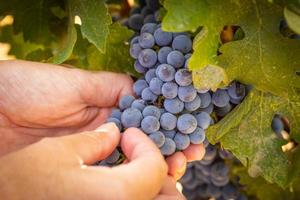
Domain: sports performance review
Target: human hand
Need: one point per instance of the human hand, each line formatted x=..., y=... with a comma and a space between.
x=59, y=168
x=43, y=100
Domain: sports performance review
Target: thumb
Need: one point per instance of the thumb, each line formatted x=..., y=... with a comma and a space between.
x=94, y=145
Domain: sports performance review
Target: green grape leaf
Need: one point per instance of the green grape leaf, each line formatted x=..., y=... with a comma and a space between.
x=95, y=21
x=292, y=16
x=116, y=58
x=270, y=191
x=18, y=47
x=68, y=40
x=247, y=133
x=39, y=55
x=32, y=17
x=264, y=58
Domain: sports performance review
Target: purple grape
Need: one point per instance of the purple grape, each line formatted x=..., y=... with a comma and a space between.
x=147, y=58
x=187, y=93
x=186, y=123
x=139, y=68
x=169, y=90
x=205, y=99
x=136, y=21
x=158, y=138
x=148, y=95
x=176, y=59
x=155, y=85
x=168, y=148
x=150, y=74
x=150, y=124
x=182, y=43
x=168, y=121
x=113, y=157
x=149, y=28
x=151, y=111
x=169, y=134
x=198, y=136
x=149, y=19
x=183, y=77
x=163, y=54
x=116, y=113
x=125, y=102
x=138, y=104
x=220, y=98
x=139, y=86
x=146, y=40
x=203, y=120
x=193, y=105
x=131, y=117
x=165, y=72
x=182, y=141
x=173, y=106
x=162, y=38
x=135, y=50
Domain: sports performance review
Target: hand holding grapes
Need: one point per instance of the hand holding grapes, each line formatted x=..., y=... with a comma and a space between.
x=60, y=168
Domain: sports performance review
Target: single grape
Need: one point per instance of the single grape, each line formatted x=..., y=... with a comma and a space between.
x=136, y=21
x=219, y=170
x=162, y=38
x=182, y=43
x=173, y=106
x=176, y=59
x=168, y=148
x=277, y=125
x=113, y=157
x=193, y=105
x=138, y=104
x=131, y=117
x=187, y=177
x=203, y=120
x=150, y=74
x=151, y=111
x=236, y=91
x=198, y=136
x=148, y=95
x=186, y=123
x=153, y=4
x=116, y=121
x=147, y=58
x=165, y=72
x=163, y=54
x=205, y=99
x=158, y=138
x=221, y=182
x=187, y=93
x=183, y=77
x=220, y=98
x=139, y=86
x=139, y=68
x=126, y=101
x=150, y=19
x=182, y=141
x=169, y=134
x=146, y=11
x=168, y=121
x=169, y=90
x=188, y=55
x=134, y=10
x=229, y=191
x=146, y=40
x=155, y=85
x=149, y=28
x=222, y=111
x=209, y=109
x=134, y=40
x=116, y=113
x=213, y=191
x=135, y=50
x=150, y=124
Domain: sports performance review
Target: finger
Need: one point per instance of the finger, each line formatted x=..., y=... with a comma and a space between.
x=169, y=191
x=177, y=165
x=104, y=89
x=94, y=145
x=146, y=170
x=194, y=152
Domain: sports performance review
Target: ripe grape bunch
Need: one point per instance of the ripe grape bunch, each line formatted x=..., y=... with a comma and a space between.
x=167, y=107
x=209, y=178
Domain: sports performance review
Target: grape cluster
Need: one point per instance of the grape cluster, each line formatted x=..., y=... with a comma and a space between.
x=166, y=105
x=147, y=12
x=209, y=178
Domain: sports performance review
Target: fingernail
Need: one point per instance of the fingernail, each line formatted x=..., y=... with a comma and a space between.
x=107, y=127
